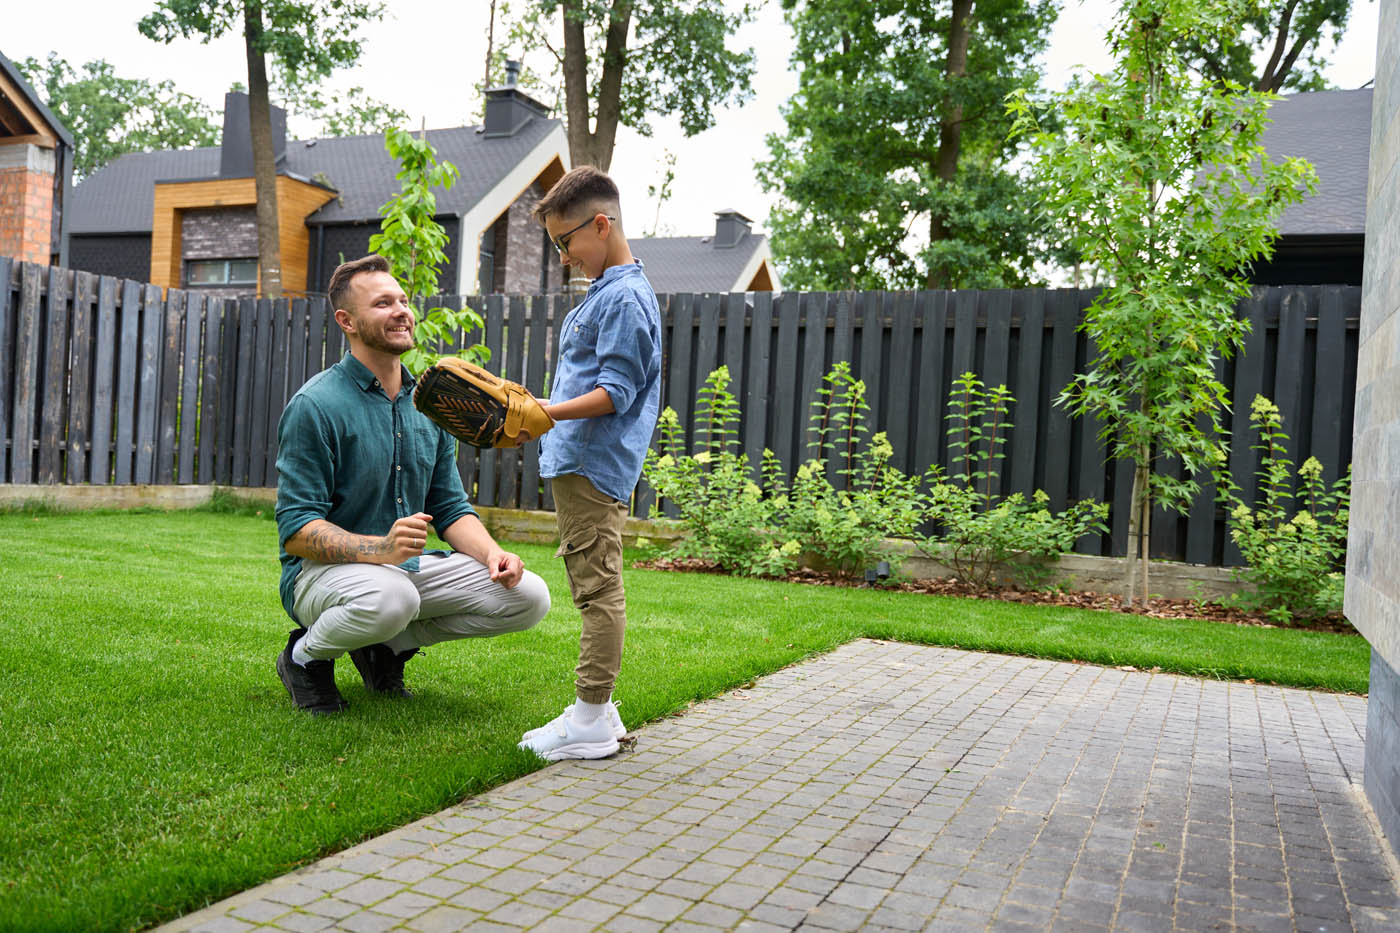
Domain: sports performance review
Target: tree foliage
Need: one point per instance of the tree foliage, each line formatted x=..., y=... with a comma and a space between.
x=307, y=39
x=1156, y=175
x=1276, y=47
x=893, y=171
x=624, y=61
x=109, y=115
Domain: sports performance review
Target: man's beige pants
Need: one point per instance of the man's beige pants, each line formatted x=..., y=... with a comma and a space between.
x=590, y=541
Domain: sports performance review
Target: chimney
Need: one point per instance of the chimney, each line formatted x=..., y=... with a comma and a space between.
x=730, y=227
x=508, y=108
x=236, y=149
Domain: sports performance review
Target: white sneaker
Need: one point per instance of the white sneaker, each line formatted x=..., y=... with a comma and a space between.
x=566, y=737
x=614, y=718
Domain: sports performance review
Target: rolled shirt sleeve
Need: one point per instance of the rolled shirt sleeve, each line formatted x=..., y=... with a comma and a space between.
x=305, y=467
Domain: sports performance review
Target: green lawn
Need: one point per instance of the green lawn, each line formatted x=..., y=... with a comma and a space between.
x=151, y=761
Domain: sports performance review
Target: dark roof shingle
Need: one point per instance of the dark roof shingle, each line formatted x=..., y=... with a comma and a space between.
x=692, y=264
x=118, y=198
x=1332, y=130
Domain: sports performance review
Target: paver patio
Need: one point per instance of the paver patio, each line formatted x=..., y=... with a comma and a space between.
x=901, y=787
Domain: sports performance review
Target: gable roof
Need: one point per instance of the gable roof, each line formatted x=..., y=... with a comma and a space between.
x=693, y=264
x=1332, y=130
x=118, y=197
x=34, y=103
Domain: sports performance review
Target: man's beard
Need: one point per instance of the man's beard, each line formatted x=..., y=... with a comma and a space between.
x=382, y=341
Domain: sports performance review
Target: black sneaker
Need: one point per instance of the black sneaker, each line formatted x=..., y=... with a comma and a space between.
x=382, y=669
x=312, y=687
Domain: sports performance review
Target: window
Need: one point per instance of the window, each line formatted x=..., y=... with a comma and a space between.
x=221, y=272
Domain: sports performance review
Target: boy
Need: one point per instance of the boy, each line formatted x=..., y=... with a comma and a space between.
x=605, y=396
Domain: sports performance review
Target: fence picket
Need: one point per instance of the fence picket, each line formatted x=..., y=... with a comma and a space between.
x=1064, y=317
x=487, y=475
x=1329, y=384
x=148, y=385
x=189, y=387
x=8, y=308
x=245, y=354
x=104, y=381
x=128, y=377
x=899, y=387
x=169, y=391
x=54, y=396
x=812, y=350
x=755, y=394
x=787, y=418
x=80, y=378
x=933, y=382
x=209, y=387
x=28, y=339
x=1027, y=390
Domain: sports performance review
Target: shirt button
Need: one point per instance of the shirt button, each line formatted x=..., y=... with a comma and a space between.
x=399, y=501
x=398, y=468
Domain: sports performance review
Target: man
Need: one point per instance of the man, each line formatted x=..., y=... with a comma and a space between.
x=361, y=474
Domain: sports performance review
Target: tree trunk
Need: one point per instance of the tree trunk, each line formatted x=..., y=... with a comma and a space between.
x=1136, y=530
x=950, y=129
x=594, y=146
x=264, y=164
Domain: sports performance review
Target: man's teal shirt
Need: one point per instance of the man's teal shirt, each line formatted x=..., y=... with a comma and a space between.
x=349, y=455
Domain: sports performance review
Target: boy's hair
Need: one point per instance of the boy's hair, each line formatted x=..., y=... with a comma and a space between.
x=339, y=288
x=584, y=187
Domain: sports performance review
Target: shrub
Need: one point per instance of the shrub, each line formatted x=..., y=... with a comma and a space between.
x=847, y=529
x=727, y=517
x=979, y=535
x=1295, y=567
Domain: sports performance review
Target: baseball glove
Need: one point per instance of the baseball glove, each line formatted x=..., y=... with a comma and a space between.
x=476, y=407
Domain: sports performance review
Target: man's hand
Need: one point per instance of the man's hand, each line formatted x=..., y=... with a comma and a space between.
x=506, y=568
x=407, y=538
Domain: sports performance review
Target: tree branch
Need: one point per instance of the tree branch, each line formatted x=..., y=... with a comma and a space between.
x=1266, y=78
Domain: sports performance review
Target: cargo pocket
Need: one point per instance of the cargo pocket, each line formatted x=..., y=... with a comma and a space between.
x=590, y=562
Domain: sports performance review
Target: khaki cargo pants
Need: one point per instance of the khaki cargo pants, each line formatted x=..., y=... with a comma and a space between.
x=590, y=541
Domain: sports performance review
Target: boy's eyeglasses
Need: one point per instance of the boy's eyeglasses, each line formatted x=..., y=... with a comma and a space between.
x=561, y=243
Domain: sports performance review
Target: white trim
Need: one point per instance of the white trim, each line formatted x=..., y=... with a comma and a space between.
x=760, y=256
x=479, y=218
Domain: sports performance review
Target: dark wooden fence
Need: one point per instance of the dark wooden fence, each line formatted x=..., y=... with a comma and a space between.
x=106, y=381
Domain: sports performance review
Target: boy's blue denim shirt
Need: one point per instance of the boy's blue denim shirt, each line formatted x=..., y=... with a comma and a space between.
x=349, y=455
x=612, y=339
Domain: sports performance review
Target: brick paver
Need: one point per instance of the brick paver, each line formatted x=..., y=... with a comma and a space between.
x=901, y=787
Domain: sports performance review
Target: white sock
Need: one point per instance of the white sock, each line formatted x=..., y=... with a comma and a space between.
x=587, y=712
x=299, y=654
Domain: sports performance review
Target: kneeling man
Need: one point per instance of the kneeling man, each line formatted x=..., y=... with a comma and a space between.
x=361, y=474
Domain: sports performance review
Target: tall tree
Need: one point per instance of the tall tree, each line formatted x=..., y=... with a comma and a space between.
x=1275, y=46
x=624, y=60
x=307, y=38
x=894, y=169
x=1156, y=176
x=110, y=115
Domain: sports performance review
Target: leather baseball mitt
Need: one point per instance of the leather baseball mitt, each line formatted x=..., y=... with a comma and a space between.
x=476, y=407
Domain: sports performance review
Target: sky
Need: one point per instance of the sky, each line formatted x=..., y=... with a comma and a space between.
x=427, y=55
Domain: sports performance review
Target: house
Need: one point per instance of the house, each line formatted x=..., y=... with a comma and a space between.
x=734, y=259
x=1323, y=237
x=36, y=174
x=186, y=218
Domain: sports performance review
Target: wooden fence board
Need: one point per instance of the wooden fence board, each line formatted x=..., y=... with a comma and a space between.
x=297, y=346
x=1092, y=457
x=735, y=329
x=54, y=395
x=964, y=312
x=104, y=381
x=212, y=336
x=1294, y=310
x=813, y=329
x=148, y=384
x=244, y=354
x=128, y=378
x=508, y=466
x=1330, y=387
x=189, y=388
x=9, y=308
x=280, y=343
x=899, y=387
x=1249, y=382
x=996, y=362
x=933, y=381
x=80, y=378
x=1026, y=413
x=872, y=334
x=172, y=334
x=706, y=337
x=787, y=417
x=227, y=398
x=1064, y=318
x=28, y=340
x=262, y=389
x=755, y=395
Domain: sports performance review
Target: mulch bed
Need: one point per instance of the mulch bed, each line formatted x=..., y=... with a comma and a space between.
x=1156, y=608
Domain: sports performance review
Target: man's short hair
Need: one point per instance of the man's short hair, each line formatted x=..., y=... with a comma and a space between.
x=339, y=288
x=583, y=188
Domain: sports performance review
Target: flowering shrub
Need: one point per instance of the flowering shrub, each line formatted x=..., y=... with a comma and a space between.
x=1294, y=561
x=977, y=534
x=728, y=517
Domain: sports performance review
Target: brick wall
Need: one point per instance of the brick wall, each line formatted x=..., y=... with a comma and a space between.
x=26, y=202
x=520, y=250
x=219, y=233
x=1373, y=550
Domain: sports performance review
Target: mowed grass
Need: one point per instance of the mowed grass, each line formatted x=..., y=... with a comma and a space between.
x=151, y=763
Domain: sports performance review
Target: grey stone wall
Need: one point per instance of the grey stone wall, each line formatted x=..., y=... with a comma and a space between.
x=520, y=247
x=219, y=233
x=1373, y=547
x=125, y=255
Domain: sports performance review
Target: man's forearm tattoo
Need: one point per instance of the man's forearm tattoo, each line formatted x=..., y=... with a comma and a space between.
x=331, y=545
